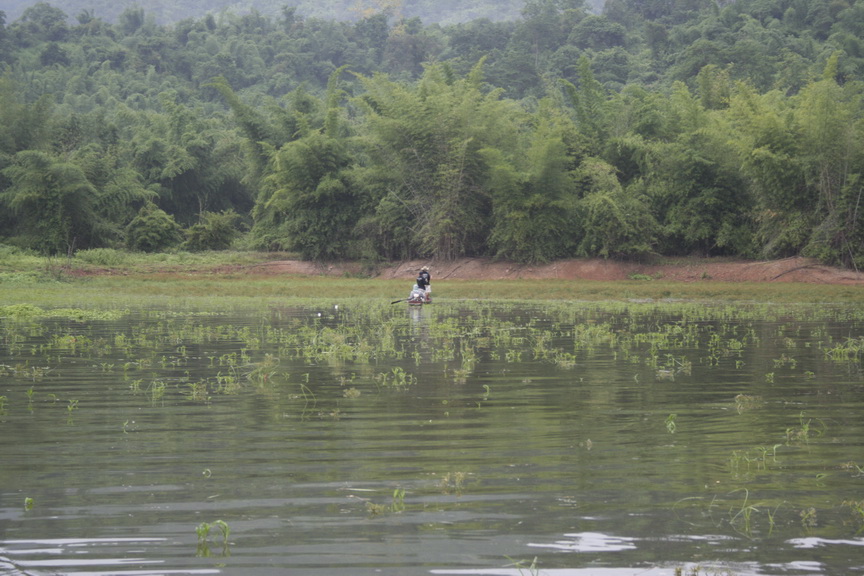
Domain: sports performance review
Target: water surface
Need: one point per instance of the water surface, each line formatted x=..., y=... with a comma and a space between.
x=463, y=438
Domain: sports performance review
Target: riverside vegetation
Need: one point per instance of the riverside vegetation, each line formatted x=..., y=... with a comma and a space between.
x=92, y=277
x=671, y=128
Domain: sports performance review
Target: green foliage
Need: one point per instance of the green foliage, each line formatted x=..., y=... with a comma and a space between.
x=54, y=202
x=215, y=231
x=307, y=204
x=535, y=210
x=103, y=257
x=152, y=230
x=616, y=224
x=679, y=127
x=429, y=141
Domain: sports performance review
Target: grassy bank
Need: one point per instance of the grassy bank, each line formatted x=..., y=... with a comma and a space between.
x=113, y=278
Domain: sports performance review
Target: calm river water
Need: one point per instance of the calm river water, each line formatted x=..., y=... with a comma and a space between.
x=461, y=438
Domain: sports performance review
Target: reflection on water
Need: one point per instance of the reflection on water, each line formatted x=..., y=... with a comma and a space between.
x=86, y=556
x=591, y=542
x=474, y=438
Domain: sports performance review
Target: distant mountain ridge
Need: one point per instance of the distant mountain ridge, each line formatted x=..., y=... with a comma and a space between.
x=167, y=11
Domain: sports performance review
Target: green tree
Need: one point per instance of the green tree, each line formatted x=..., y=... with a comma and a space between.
x=54, y=202
x=534, y=194
x=831, y=137
x=428, y=138
x=41, y=22
x=307, y=201
x=616, y=224
x=766, y=140
x=194, y=163
x=589, y=105
x=152, y=230
x=310, y=208
x=23, y=125
x=214, y=231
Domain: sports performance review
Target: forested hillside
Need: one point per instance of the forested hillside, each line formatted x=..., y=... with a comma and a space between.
x=656, y=127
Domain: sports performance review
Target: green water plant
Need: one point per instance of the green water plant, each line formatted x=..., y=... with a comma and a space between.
x=809, y=518
x=851, y=349
x=521, y=565
x=699, y=570
x=857, y=509
x=263, y=372
x=453, y=482
x=203, y=532
x=398, y=503
x=859, y=471
x=375, y=509
x=351, y=393
x=805, y=430
x=741, y=518
x=747, y=402
x=198, y=391
x=398, y=379
x=156, y=391
x=671, y=426
x=307, y=394
x=744, y=460
x=70, y=409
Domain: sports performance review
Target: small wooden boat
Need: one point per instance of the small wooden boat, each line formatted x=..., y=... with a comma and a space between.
x=418, y=297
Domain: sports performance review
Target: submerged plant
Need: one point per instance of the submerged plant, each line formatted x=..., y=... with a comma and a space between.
x=805, y=430
x=742, y=518
x=743, y=460
x=747, y=402
x=70, y=408
x=671, y=426
x=264, y=370
x=857, y=509
x=808, y=517
x=398, y=504
x=375, y=509
x=699, y=570
x=351, y=393
x=453, y=482
x=532, y=567
x=203, y=532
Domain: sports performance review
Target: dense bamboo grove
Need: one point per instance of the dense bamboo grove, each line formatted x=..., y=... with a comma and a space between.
x=686, y=127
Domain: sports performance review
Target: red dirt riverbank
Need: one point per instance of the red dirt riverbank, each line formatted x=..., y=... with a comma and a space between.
x=796, y=269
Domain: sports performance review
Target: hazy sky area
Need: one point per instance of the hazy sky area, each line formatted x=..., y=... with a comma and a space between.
x=167, y=11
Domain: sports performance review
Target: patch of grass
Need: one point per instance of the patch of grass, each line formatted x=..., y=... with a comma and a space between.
x=183, y=278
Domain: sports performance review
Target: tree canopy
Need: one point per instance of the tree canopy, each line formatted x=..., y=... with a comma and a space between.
x=674, y=128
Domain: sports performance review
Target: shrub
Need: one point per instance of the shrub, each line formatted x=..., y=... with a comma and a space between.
x=152, y=230
x=214, y=231
x=102, y=257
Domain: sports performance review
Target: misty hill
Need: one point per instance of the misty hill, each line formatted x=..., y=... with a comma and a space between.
x=168, y=11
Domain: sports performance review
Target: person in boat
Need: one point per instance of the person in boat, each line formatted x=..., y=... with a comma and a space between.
x=421, y=282
x=423, y=285
x=417, y=295
x=424, y=273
